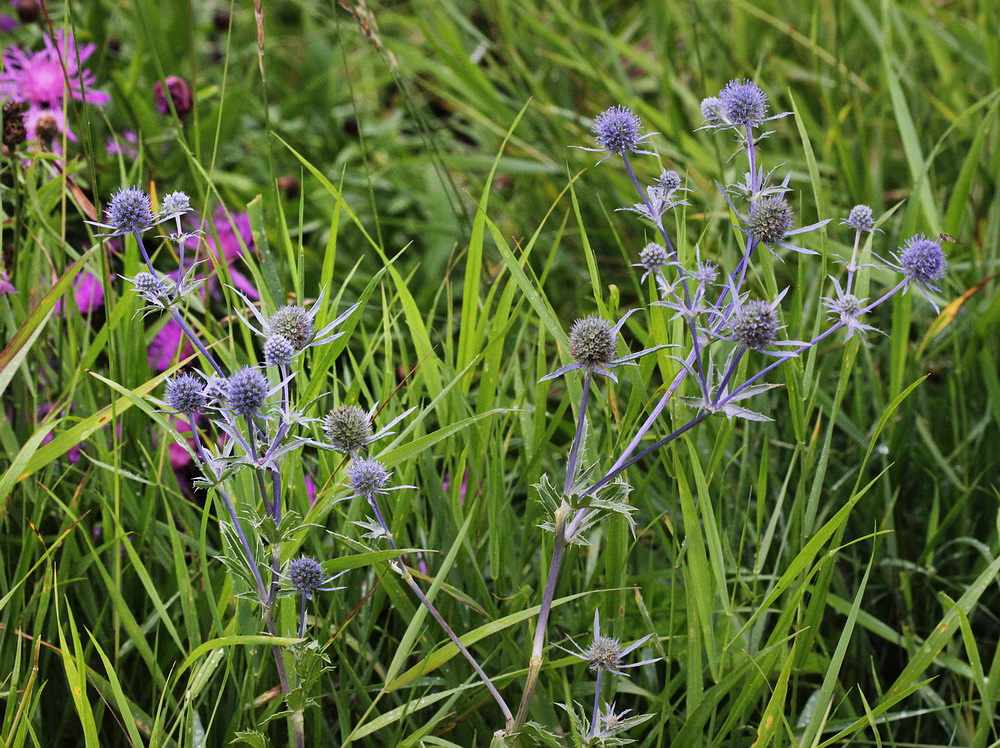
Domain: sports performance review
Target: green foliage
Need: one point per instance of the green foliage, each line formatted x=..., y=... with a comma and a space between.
x=828, y=577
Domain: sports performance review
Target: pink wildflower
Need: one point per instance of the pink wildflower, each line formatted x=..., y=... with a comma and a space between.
x=6, y=286
x=40, y=80
x=163, y=351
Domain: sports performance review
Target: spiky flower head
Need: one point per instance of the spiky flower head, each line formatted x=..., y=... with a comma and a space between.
x=743, y=103
x=294, y=323
x=176, y=203
x=860, y=218
x=348, y=428
x=922, y=260
x=755, y=325
x=770, y=219
x=592, y=342
x=129, y=210
x=246, y=391
x=669, y=180
x=278, y=350
x=185, y=393
x=367, y=477
x=653, y=256
x=711, y=110
x=705, y=272
x=604, y=653
x=617, y=130
x=306, y=575
x=149, y=286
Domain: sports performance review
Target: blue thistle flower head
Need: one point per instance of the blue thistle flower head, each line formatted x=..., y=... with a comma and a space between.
x=306, y=575
x=278, y=350
x=618, y=131
x=150, y=287
x=176, y=204
x=861, y=218
x=185, y=393
x=922, y=261
x=294, y=323
x=246, y=391
x=755, y=325
x=653, y=256
x=129, y=211
x=743, y=103
x=367, y=478
x=348, y=429
x=669, y=180
x=770, y=219
x=711, y=110
x=592, y=342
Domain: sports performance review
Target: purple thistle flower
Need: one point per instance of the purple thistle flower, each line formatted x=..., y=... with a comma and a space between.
x=605, y=653
x=770, y=219
x=847, y=308
x=129, y=211
x=185, y=393
x=593, y=347
x=367, y=478
x=755, y=325
x=38, y=79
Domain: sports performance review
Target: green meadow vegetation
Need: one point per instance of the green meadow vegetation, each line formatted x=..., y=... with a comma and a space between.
x=827, y=575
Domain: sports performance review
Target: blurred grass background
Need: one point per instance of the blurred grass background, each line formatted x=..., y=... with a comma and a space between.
x=107, y=575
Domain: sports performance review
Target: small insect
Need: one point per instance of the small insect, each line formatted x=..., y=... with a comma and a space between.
x=943, y=237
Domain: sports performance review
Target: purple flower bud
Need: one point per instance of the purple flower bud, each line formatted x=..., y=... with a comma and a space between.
x=770, y=219
x=278, y=351
x=185, y=393
x=653, y=256
x=180, y=94
x=347, y=428
x=246, y=391
x=294, y=323
x=306, y=575
x=861, y=218
x=367, y=477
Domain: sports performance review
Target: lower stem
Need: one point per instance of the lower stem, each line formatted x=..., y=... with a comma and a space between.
x=597, y=703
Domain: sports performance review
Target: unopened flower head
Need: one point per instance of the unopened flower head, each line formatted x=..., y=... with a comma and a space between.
x=180, y=94
x=860, y=218
x=711, y=110
x=770, y=219
x=129, y=211
x=185, y=393
x=176, y=204
x=246, y=391
x=604, y=653
x=653, y=256
x=294, y=323
x=618, y=130
x=149, y=286
x=278, y=350
x=347, y=428
x=755, y=325
x=922, y=260
x=592, y=342
x=743, y=103
x=367, y=478
x=669, y=180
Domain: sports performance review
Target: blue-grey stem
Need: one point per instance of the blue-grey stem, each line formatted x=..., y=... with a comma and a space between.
x=728, y=373
x=852, y=267
x=597, y=703
x=574, y=452
x=302, y=617
x=211, y=474
x=658, y=220
x=178, y=318
x=425, y=601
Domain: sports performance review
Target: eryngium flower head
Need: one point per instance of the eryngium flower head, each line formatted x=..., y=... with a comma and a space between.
x=860, y=218
x=743, y=103
x=653, y=256
x=176, y=203
x=922, y=260
x=149, y=286
x=711, y=110
x=669, y=180
x=592, y=342
x=604, y=653
x=278, y=350
x=755, y=325
x=294, y=323
x=306, y=575
x=617, y=130
x=129, y=210
x=185, y=393
x=347, y=428
x=367, y=477
x=246, y=391
x=770, y=219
